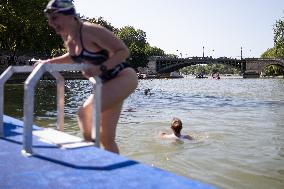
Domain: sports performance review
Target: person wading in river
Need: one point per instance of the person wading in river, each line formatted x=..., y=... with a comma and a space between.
x=176, y=126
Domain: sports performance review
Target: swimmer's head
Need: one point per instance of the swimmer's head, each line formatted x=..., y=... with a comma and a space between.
x=176, y=125
x=65, y=7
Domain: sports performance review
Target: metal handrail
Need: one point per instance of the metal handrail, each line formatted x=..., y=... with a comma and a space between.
x=27, y=69
x=3, y=79
x=29, y=88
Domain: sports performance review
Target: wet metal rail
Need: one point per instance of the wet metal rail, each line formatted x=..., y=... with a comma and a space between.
x=3, y=79
x=29, y=88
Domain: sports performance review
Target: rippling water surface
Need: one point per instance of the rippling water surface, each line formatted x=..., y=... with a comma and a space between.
x=238, y=126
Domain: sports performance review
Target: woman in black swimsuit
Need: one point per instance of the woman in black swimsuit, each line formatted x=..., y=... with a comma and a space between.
x=93, y=44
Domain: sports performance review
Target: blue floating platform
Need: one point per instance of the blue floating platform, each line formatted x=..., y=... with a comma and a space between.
x=82, y=168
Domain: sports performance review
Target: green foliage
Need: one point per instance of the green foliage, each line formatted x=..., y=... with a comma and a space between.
x=100, y=21
x=273, y=70
x=2, y=28
x=154, y=51
x=278, y=50
x=279, y=38
x=136, y=42
x=24, y=29
x=209, y=69
x=270, y=53
x=58, y=52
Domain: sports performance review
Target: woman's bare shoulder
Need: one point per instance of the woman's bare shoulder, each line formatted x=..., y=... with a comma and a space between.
x=162, y=133
x=93, y=27
x=169, y=136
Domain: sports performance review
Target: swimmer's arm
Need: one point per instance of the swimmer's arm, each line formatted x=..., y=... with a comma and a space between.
x=60, y=59
x=188, y=137
x=66, y=58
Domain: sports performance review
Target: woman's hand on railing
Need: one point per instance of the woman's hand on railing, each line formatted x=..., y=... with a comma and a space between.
x=41, y=61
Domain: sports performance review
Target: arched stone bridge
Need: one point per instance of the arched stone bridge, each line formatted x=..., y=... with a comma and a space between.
x=257, y=65
x=157, y=65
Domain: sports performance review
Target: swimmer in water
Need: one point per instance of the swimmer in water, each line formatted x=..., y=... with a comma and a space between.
x=147, y=92
x=176, y=126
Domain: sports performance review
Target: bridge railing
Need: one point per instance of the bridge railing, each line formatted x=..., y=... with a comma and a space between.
x=29, y=88
x=166, y=64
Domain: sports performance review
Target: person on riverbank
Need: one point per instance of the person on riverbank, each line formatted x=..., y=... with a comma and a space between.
x=176, y=126
x=105, y=53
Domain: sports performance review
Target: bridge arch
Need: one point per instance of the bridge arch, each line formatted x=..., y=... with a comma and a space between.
x=258, y=65
x=167, y=65
x=248, y=66
x=277, y=65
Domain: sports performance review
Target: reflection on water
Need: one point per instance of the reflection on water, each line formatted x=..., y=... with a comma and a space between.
x=238, y=126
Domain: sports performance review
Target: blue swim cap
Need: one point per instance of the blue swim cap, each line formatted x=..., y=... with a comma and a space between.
x=60, y=6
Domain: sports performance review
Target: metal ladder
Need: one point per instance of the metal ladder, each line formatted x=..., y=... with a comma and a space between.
x=29, y=88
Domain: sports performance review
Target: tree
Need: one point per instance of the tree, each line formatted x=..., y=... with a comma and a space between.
x=273, y=70
x=102, y=22
x=136, y=42
x=278, y=50
x=279, y=38
x=210, y=69
x=153, y=51
x=269, y=53
x=24, y=29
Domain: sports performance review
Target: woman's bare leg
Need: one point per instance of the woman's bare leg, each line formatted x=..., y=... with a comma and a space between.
x=85, y=118
x=109, y=122
x=113, y=94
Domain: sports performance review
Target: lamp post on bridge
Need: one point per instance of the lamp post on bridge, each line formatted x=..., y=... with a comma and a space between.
x=177, y=54
x=241, y=53
x=203, y=52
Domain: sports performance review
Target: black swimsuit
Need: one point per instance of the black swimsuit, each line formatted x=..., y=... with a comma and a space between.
x=97, y=58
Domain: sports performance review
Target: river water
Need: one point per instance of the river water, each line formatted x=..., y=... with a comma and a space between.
x=237, y=125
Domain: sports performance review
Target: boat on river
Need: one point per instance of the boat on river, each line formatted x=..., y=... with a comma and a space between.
x=176, y=75
x=200, y=76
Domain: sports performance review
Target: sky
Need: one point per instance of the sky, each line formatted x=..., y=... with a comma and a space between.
x=184, y=27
